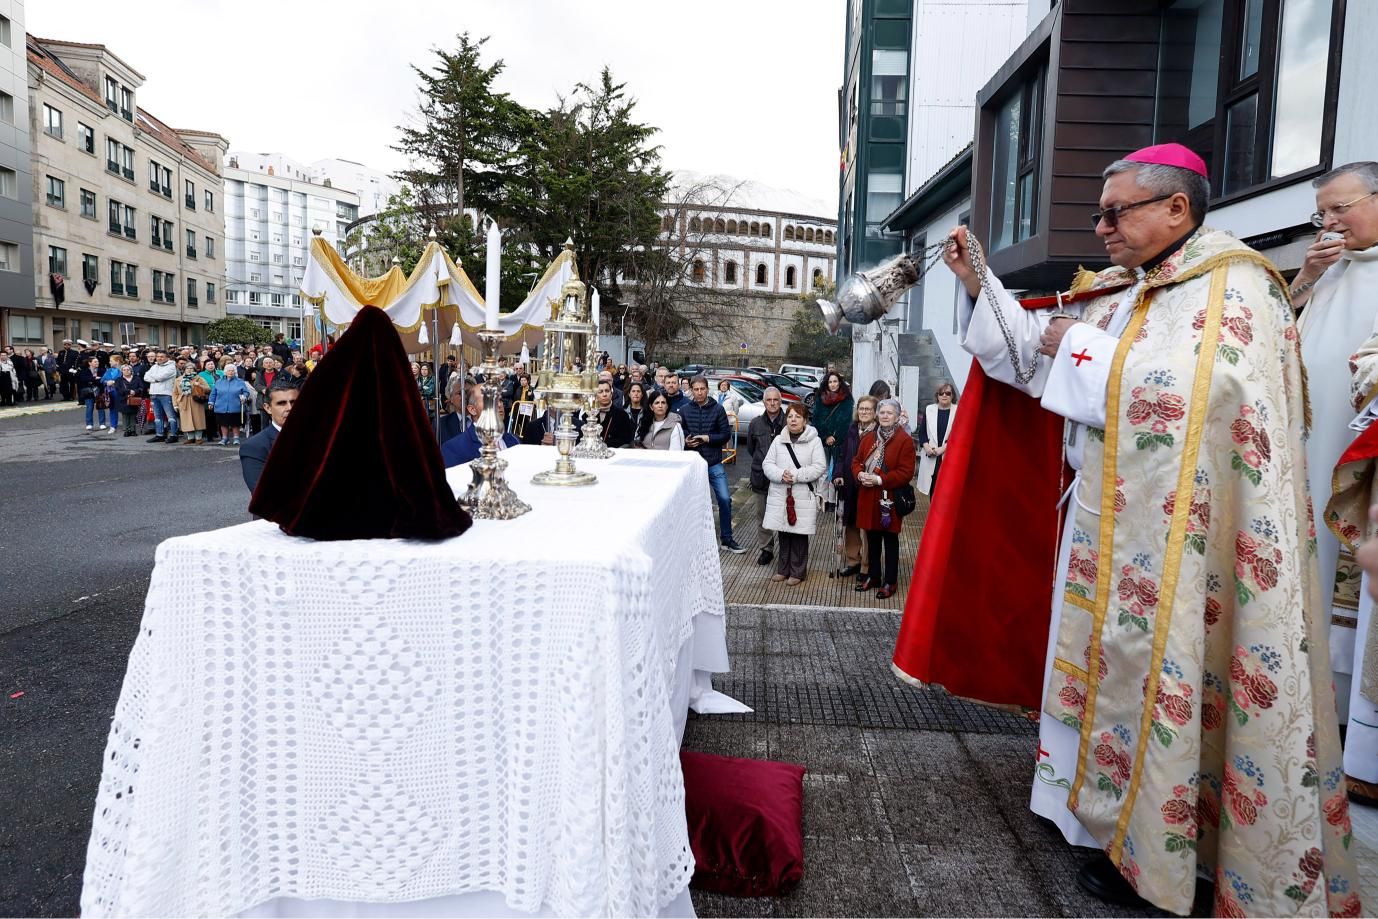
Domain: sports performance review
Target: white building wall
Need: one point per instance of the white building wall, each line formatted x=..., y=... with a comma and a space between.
x=958, y=46
x=268, y=227
x=373, y=186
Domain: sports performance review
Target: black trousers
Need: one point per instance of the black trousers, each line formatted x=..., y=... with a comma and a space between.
x=875, y=541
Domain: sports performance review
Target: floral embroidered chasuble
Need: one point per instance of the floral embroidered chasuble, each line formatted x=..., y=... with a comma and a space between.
x=1187, y=656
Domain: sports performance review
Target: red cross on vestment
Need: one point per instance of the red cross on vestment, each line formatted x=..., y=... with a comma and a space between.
x=1083, y=356
x=1041, y=752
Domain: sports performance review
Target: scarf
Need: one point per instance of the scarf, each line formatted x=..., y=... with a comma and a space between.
x=833, y=398
x=877, y=454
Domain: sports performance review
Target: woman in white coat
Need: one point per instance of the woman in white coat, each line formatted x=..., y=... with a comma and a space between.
x=934, y=431
x=794, y=462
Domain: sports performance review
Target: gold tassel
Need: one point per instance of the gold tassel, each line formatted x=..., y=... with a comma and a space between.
x=1082, y=280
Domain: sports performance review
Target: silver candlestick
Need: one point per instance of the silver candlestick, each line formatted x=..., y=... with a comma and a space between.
x=489, y=496
x=591, y=445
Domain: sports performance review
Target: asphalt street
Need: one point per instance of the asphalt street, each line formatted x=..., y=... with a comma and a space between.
x=82, y=515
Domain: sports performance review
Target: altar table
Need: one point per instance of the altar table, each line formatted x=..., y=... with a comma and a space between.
x=391, y=721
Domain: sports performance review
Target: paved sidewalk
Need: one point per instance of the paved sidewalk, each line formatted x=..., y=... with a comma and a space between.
x=915, y=803
x=41, y=407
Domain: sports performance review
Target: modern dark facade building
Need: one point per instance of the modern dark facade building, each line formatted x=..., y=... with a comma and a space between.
x=1251, y=85
x=873, y=117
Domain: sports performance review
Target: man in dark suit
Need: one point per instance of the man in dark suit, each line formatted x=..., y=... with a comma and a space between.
x=277, y=402
x=67, y=361
x=465, y=447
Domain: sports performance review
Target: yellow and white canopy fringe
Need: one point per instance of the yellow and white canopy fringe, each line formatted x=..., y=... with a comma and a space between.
x=337, y=293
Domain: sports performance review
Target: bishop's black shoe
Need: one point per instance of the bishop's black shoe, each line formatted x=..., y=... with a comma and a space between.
x=766, y=557
x=1101, y=879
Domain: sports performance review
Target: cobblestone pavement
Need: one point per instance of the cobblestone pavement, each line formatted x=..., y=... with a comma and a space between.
x=915, y=803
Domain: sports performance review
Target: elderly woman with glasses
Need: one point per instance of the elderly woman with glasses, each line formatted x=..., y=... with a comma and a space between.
x=884, y=462
x=934, y=430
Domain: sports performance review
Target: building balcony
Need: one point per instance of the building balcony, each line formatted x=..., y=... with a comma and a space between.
x=131, y=290
x=117, y=289
x=131, y=233
x=167, y=244
x=191, y=252
x=112, y=166
x=192, y=301
x=191, y=202
x=116, y=228
x=128, y=173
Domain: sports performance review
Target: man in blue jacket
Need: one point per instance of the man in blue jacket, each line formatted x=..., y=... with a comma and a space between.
x=465, y=447
x=678, y=400
x=706, y=430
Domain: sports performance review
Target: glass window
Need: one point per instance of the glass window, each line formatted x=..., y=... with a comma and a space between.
x=730, y=273
x=1303, y=60
x=889, y=82
x=57, y=260
x=116, y=277
x=6, y=108
x=90, y=269
x=210, y=247
x=210, y=202
x=131, y=280
x=1005, y=166
x=86, y=138
x=1189, y=65
x=210, y=291
x=157, y=285
x=5, y=31
x=884, y=192
x=152, y=334
x=1241, y=127
x=1252, y=38
x=52, y=121
x=9, y=182
x=57, y=192
x=9, y=257
x=88, y=203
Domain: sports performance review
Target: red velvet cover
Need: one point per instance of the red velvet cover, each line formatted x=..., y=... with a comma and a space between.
x=745, y=823
x=357, y=458
x=979, y=606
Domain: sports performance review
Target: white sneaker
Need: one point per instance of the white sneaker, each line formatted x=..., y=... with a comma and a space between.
x=102, y=427
x=112, y=429
x=88, y=427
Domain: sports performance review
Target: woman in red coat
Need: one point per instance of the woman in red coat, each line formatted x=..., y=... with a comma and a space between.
x=884, y=460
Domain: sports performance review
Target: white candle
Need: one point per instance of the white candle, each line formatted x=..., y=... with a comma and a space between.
x=490, y=294
x=594, y=307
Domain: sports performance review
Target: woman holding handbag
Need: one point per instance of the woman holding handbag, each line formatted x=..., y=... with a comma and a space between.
x=794, y=462
x=883, y=466
x=129, y=399
x=91, y=390
x=189, y=395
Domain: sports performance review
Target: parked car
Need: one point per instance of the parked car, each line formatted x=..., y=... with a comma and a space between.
x=789, y=384
x=756, y=381
x=800, y=371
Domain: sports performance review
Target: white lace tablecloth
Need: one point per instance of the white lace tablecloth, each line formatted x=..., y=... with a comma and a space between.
x=386, y=721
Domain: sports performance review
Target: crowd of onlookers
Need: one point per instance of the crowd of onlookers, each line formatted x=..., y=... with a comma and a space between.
x=186, y=395
x=854, y=458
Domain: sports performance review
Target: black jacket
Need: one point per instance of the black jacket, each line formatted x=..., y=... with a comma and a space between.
x=88, y=383
x=759, y=436
x=617, y=428
x=710, y=419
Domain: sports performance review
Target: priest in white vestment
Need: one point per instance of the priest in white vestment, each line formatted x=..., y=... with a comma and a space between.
x=1337, y=292
x=1188, y=723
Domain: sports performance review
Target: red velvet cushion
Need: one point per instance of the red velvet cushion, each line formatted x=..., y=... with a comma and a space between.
x=745, y=823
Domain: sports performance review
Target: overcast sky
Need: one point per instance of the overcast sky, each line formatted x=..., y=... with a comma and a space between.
x=742, y=87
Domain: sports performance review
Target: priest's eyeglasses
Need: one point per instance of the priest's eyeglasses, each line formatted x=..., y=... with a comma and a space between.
x=1111, y=215
x=1339, y=210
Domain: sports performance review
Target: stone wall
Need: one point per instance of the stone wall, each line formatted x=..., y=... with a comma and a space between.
x=760, y=322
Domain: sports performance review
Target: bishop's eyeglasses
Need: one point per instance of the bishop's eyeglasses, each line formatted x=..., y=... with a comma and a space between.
x=1111, y=215
x=1339, y=210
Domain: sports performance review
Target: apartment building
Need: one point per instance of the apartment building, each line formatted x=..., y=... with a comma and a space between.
x=127, y=232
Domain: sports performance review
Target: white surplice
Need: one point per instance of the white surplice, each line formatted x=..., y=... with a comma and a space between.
x=1071, y=385
x=1338, y=319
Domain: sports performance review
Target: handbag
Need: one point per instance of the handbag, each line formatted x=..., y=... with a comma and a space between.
x=902, y=498
x=200, y=391
x=133, y=400
x=789, y=493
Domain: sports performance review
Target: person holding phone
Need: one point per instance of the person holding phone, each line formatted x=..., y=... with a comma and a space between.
x=1334, y=291
x=705, y=422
